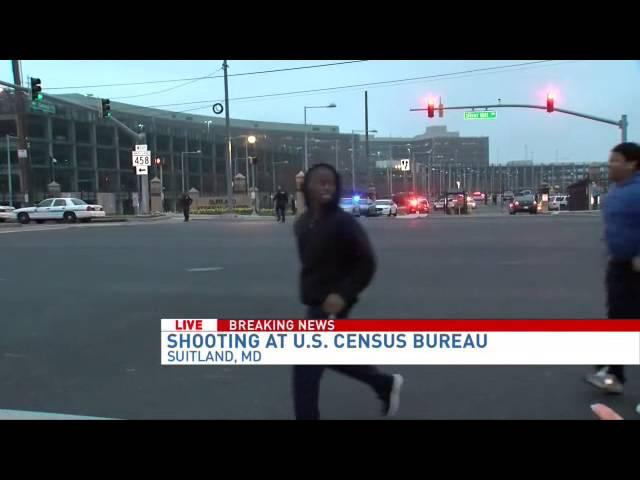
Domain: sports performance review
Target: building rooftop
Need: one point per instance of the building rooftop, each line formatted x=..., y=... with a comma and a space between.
x=216, y=121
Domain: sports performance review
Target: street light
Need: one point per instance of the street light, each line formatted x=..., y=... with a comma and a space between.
x=353, y=162
x=306, y=136
x=182, y=164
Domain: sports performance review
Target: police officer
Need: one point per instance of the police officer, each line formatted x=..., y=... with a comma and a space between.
x=621, y=213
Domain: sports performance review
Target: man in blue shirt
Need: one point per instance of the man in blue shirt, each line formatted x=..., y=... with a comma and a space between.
x=621, y=213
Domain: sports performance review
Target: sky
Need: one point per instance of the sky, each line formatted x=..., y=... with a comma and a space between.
x=602, y=88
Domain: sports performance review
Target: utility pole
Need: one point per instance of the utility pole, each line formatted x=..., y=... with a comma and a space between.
x=21, y=123
x=353, y=163
x=366, y=137
x=225, y=66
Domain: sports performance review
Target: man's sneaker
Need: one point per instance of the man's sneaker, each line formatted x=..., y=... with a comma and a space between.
x=391, y=403
x=605, y=381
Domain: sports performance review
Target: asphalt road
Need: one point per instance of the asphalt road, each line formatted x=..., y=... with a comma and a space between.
x=81, y=307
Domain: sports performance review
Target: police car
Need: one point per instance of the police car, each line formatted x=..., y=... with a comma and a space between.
x=65, y=209
x=6, y=213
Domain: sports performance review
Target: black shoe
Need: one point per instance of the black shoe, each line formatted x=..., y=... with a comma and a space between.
x=391, y=401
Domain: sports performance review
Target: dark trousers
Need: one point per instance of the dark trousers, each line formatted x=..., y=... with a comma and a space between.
x=623, y=300
x=185, y=212
x=280, y=213
x=306, y=378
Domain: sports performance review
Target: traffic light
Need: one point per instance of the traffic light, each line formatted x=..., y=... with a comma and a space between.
x=105, y=108
x=430, y=108
x=441, y=109
x=158, y=161
x=550, y=102
x=36, y=89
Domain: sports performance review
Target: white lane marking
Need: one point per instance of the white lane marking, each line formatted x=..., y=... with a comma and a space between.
x=204, y=269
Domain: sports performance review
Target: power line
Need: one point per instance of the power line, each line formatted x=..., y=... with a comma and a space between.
x=151, y=82
x=360, y=85
x=170, y=88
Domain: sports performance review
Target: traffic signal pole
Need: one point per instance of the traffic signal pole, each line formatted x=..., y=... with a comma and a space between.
x=622, y=124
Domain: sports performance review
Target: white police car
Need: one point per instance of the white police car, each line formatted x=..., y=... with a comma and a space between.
x=65, y=209
x=6, y=213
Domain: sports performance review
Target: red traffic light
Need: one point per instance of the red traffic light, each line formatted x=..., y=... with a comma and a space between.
x=430, y=108
x=158, y=161
x=550, y=102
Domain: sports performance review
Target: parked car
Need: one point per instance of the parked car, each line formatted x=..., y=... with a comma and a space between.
x=368, y=207
x=471, y=203
x=65, y=209
x=478, y=196
x=349, y=206
x=457, y=202
x=559, y=202
x=386, y=207
x=439, y=204
x=6, y=212
x=524, y=203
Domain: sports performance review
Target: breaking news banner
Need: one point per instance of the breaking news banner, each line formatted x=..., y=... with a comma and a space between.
x=400, y=342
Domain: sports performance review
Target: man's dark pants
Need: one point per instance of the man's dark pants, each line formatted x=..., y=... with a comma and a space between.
x=306, y=378
x=185, y=212
x=280, y=212
x=623, y=300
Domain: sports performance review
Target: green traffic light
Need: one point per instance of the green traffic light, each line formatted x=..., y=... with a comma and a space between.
x=40, y=96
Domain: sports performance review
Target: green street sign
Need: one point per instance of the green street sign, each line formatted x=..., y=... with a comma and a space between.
x=43, y=107
x=484, y=115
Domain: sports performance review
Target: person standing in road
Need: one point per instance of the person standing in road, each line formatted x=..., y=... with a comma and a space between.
x=281, y=199
x=337, y=265
x=495, y=199
x=294, y=209
x=186, y=202
x=621, y=214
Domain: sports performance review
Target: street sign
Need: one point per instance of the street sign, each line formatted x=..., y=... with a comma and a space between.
x=141, y=148
x=141, y=158
x=405, y=165
x=43, y=107
x=22, y=153
x=485, y=115
x=142, y=170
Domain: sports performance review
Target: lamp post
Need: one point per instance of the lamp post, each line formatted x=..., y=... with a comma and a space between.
x=306, y=136
x=182, y=164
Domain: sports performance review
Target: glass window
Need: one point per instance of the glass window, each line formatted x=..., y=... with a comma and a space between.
x=63, y=155
x=178, y=144
x=105, y=135
x=105, y=181
x=128, y=182
x=60, y=128
x=60, y=202
x=106, y=158
x=207, y=165
x=86, y=181
x=8, y=127
x=162, y=143
x=193, y=164
x=65, y=178
x=39, y=153
x=83, y=132
x=125, y=160
x=45, y=203
x=36, y=127
x=84, y=157
x=76, y=201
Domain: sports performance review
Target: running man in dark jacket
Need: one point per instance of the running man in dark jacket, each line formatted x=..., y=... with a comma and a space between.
x=281, y=199
x=337, y=265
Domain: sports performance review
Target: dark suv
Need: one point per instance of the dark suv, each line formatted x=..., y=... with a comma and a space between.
x=523, y=203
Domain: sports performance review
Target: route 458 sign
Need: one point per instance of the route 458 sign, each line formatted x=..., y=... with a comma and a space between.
x=141, y=156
